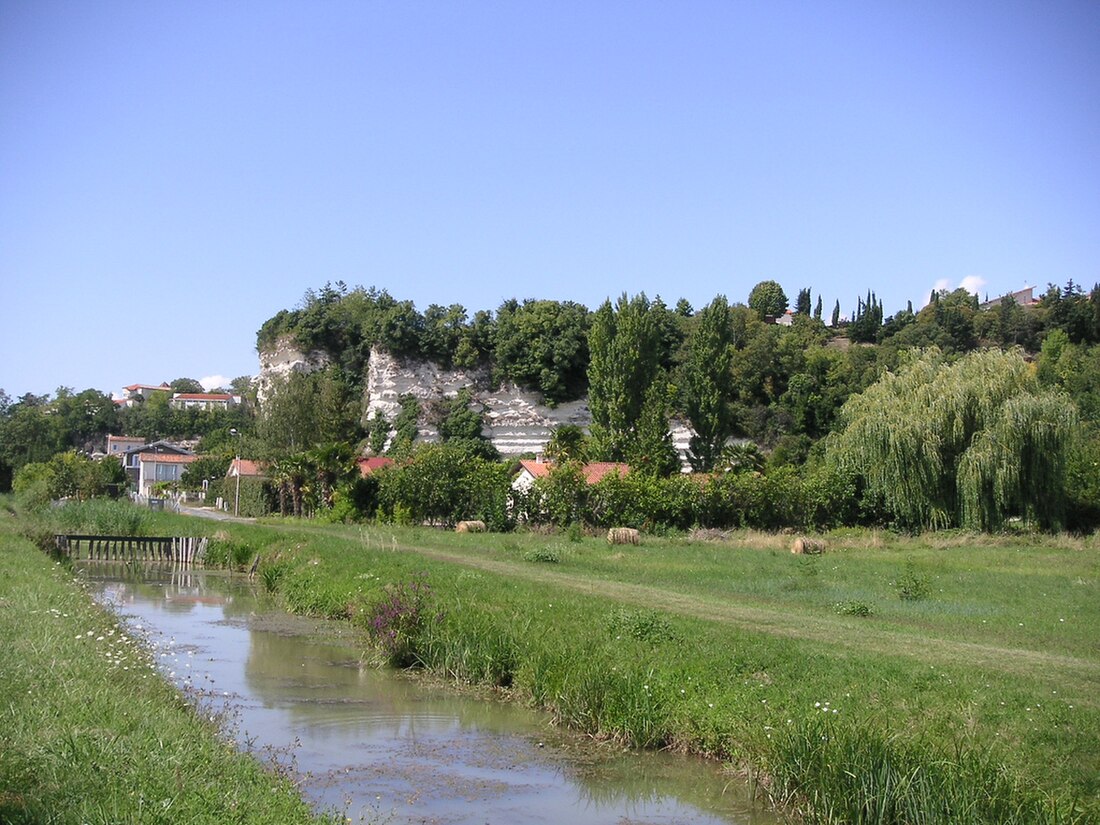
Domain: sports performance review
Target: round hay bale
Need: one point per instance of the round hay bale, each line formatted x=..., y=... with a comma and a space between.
x=470, y=527
x=623, y=535
x=807, y=546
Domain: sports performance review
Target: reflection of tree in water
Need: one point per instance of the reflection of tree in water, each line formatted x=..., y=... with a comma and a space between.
x=327, y=680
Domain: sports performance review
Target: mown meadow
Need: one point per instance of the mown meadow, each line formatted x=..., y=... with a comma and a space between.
x=935, y=679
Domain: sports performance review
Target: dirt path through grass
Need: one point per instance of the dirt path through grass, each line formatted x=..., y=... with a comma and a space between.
x=825, y=629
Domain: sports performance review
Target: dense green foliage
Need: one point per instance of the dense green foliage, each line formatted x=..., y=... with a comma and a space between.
x=726, y=371
x=966, y=444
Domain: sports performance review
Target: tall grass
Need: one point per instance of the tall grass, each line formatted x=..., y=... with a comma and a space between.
x=835, y=774
x=103, y=517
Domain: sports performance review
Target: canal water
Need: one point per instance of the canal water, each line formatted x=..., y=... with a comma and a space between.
x=382, y=746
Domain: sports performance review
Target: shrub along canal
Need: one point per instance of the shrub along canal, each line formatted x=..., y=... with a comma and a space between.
x=379, y=745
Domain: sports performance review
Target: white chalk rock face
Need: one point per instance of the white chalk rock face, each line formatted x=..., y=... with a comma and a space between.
x=285, y=358
x=517, y=420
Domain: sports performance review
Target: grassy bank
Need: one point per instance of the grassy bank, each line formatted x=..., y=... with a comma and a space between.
x=952, y=676
x=90, y=733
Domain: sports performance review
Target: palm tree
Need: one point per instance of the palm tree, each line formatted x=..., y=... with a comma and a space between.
x=332, y=465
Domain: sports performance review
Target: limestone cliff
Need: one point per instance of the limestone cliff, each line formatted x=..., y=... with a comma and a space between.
x=517, y=421
x=285, y=358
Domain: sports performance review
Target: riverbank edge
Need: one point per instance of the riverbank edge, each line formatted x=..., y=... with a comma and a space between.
x=93, y=733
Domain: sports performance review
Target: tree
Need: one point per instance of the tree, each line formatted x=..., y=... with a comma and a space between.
x=768, y=299
x=817, y=309
x=651, y=452
x=802, y=305
x=186, y=385
x=866, y=325
x=624, y=342
x=463, y=427
x=707, y=382
x=835, y=321
x=568, y=442
x=304, y=410
x=969, y=444
x=543, y=345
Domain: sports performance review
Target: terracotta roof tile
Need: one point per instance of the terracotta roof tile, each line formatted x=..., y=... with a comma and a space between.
x=372, y=464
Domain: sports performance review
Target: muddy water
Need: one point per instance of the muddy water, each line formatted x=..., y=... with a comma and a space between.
x=380, y=746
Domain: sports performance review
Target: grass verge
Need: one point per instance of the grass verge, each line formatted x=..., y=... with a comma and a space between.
x=973, y=703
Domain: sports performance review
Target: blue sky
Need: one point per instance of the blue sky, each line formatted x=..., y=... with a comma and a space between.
x=173, y=174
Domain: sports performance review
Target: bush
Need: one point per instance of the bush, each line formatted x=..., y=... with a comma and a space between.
x=542, y=554
x=229, y=553
x=399, y=620
x=912, y=586
x=855, y=608
x=643, y=625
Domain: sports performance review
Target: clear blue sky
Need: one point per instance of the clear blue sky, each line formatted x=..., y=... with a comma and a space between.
x=173, y=174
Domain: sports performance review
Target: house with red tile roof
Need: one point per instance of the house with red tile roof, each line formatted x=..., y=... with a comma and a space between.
x=160, y=462
x=246, y=468
x=593, y=472
x=371, y=464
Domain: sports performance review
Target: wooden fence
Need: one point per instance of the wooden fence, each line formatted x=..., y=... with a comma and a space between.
x=180, y=549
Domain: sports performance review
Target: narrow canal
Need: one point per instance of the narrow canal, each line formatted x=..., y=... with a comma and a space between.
x=380, y=746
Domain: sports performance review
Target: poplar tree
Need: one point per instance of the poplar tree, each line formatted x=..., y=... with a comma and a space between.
x=707, y=380
x=624, y=345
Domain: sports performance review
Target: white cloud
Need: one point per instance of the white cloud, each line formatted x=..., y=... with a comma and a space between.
x=214, y=382
x=973, y=283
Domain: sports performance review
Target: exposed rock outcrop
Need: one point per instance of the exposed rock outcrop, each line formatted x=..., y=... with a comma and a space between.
x=517, y=421
x=283, y=359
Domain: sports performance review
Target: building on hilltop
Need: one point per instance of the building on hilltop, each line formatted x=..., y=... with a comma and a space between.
x=136, y=393
x=1024, y=297
x=204, y=400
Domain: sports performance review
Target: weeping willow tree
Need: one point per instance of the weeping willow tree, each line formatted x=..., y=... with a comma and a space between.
x=967, y=444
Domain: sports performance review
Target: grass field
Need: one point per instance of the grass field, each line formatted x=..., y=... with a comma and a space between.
x=89, y=731
x=949, y=678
